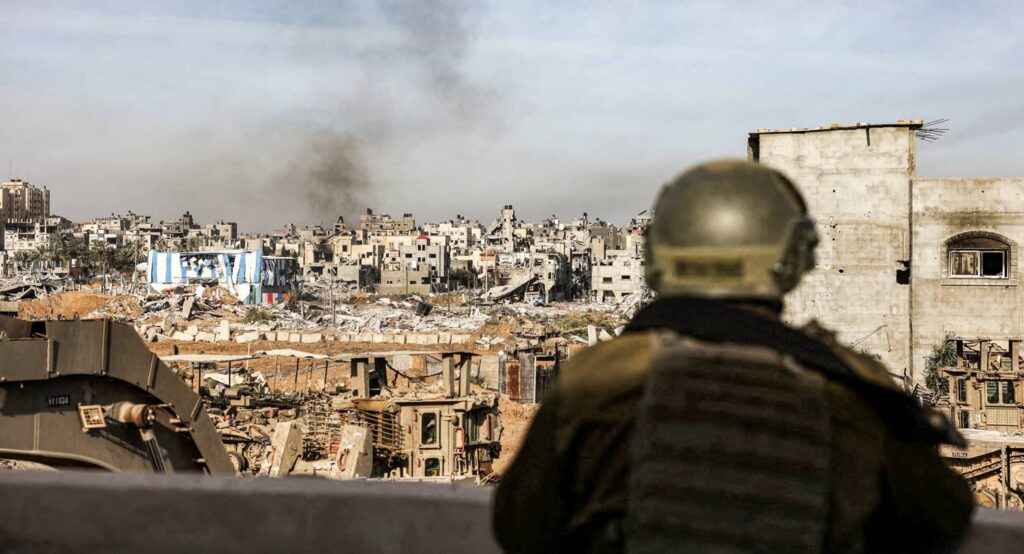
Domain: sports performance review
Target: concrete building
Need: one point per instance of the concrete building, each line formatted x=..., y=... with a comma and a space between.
x=426, y=252
x=406, y=281
x=24, y=235
x=966, y=263
x=903, y=262
x=19, y=200
x=616, y=279
x=384, y=224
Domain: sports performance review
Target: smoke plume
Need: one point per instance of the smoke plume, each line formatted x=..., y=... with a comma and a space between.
x=331, y=175
x=332, y=169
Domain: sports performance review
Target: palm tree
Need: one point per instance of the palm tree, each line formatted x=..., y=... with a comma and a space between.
x=23, y=258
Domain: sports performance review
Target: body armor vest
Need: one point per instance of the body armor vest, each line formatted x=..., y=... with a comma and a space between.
x=731, y=452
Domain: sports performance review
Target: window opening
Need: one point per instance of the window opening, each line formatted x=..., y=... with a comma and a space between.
x=999, y=392
x=428, y=429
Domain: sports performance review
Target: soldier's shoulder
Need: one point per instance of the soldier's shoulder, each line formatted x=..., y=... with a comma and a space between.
x=620, y=362
x=867, y=367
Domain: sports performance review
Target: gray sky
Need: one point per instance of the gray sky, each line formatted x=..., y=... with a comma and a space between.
x=273, y=112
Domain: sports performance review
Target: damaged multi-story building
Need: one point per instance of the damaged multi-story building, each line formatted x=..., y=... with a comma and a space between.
x=904, y=261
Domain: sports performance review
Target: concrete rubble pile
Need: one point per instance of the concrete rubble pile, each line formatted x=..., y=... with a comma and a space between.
x=31, y=286
x=211, y=314
x=340, y=433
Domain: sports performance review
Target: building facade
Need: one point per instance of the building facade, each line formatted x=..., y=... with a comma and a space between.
x=19, y=200
x=903, y=262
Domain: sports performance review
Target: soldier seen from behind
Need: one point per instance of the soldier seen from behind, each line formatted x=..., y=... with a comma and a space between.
x=710, y=425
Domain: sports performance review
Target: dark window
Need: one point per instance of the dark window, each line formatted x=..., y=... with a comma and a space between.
x=979, y=257
x=626, y=277
x=606, y=280
x=999, y=392
x=961, y=390
x=432, y=467
x=965, y=419
x=993, y=264
x=428, y=429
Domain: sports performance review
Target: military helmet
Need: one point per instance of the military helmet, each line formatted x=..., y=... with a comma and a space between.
x=730, y=229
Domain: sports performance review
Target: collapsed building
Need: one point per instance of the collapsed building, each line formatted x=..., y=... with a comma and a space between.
x=425, y=421
x=979, y=385
x=89, y=393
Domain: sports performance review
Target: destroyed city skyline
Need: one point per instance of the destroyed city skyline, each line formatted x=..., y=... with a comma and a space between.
x=282, y=113
x=426, y=276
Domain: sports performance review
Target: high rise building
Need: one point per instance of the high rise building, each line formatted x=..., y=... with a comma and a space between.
x=21, y=201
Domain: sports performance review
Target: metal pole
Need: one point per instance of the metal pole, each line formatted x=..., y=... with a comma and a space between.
x=326, y=362
x=229, y=374
x=295, y=387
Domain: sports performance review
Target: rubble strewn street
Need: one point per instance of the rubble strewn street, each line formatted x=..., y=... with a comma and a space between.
x=304, y=372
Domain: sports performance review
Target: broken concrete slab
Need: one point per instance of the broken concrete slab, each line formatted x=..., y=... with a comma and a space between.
x=186, y=308
x=182, y=336
x=247, y=337
x=223, y=331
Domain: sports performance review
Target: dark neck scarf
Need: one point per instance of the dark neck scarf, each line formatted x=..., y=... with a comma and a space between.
x=716, y=321
x=720, y=322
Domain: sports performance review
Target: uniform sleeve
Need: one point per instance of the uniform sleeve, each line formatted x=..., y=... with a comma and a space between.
x=529, y=507
x=926, y=506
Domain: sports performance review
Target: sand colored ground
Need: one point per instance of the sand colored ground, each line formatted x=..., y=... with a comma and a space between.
x=515, y=421
x=74, y=304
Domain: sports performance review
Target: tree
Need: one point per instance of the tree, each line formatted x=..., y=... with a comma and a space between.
x=125, y=257
x=24, y=258
x=942, y=356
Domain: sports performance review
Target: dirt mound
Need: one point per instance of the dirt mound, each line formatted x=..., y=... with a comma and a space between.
x=66, y=305
x=515, y=421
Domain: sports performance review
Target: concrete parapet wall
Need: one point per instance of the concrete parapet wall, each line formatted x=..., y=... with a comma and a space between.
x=103, y=512
x=100, y=512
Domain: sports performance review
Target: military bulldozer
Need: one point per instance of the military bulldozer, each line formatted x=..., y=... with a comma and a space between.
x=91, y=394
